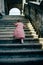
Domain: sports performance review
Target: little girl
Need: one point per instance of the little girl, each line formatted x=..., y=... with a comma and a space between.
x=19, y=31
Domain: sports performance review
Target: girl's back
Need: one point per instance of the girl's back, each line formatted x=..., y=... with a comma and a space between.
x=19, y=31
x=19, y=25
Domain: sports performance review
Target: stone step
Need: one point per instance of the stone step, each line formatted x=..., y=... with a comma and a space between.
x=12, y=29
x=11, y=32
x=12, y=40
x=11, y=22
x=5, y=26
x=11, y=35
x=22, y=60
x=22, y=52
x=6, y=29
x=3, y=22
x=27, y=39
x=14, y=18
x=8, y=24
x=21, y=46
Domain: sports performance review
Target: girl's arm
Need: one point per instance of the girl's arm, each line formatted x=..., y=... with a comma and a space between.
x=15, y=24
x=24, y=26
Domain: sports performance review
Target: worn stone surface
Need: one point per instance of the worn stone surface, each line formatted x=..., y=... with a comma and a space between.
x=36, y=15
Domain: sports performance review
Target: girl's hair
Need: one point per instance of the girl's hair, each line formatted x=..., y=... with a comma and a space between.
x=18, y=20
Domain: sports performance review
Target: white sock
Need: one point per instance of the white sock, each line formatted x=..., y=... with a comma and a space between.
x=22, y=41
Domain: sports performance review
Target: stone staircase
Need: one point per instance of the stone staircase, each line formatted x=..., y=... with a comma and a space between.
x=12, y=51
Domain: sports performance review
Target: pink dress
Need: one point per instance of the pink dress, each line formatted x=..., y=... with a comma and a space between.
x=19, y=31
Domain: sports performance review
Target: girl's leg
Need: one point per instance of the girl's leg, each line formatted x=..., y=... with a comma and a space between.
x=22, y=41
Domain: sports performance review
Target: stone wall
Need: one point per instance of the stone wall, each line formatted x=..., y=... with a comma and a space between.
x=2, y=10
x=36, y=15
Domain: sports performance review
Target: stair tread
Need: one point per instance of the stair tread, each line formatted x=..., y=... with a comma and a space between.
x=22, y=51
x=8, y=26
x=11, y=29
x=11, y=35
x=25, y=44
x=12, y=19
x=6, y=38
x=20, y=46
x=15, y=60
x=11, y=32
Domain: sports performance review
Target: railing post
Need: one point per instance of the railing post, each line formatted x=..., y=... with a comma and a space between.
x=23, y=1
